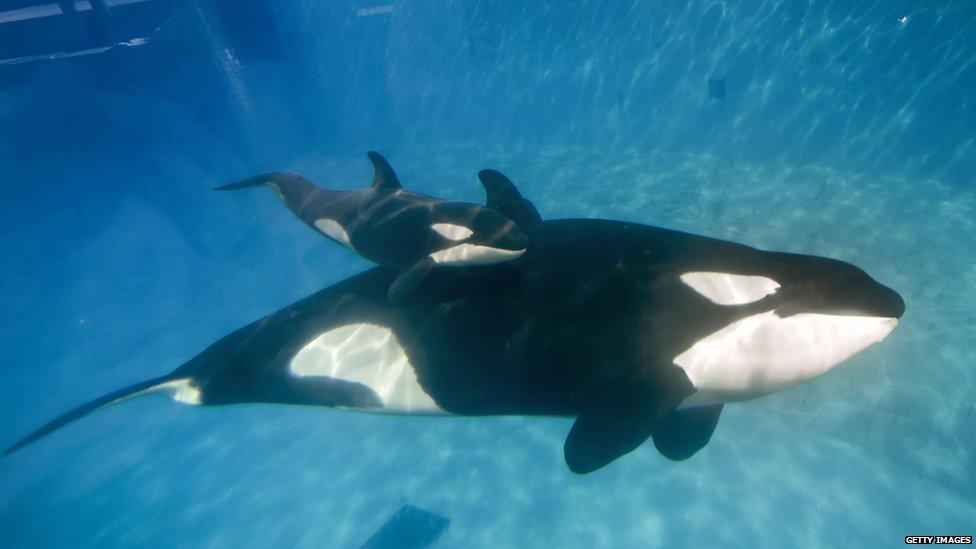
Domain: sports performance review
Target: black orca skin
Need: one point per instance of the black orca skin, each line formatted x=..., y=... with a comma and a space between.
x=586, y=323
x=409, y=231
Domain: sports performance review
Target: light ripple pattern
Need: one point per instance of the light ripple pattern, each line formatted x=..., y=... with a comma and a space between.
x=878, y=449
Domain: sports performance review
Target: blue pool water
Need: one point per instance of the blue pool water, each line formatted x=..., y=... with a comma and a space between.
x=839, y=129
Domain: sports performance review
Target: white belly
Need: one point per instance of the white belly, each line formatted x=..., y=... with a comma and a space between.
x=764, y=353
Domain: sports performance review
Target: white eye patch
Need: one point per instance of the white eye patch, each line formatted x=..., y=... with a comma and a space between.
x=730, y=289
x=451, y=231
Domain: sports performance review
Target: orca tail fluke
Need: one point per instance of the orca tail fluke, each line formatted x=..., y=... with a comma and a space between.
x=83, y=410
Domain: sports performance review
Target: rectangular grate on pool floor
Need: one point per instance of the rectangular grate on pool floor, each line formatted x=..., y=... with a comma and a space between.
x=408, y=528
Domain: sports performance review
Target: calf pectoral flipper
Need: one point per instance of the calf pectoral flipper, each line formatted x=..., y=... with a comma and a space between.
x=408, y=279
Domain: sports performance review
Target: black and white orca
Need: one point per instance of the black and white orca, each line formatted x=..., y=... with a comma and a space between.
x=408, y=231
x=638, y=332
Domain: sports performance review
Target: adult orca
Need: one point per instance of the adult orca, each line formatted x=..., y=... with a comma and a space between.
x=636, y=331
x=408, y=231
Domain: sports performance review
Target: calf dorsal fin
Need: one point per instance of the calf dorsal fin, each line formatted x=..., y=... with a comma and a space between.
x=505, y=198
x=383, y=175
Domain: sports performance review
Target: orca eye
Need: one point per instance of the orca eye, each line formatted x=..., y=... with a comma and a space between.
x=451, y=231
x=730, y=289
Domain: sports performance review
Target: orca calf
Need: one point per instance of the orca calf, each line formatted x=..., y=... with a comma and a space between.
x=407, y=231
x=638, y=332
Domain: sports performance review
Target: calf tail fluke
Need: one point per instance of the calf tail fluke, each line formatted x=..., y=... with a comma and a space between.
x=293, y=189
x=85, y=409
x=273, y=179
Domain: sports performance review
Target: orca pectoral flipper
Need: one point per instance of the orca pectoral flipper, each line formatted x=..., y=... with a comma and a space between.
x=505, y=198
x=615, y=421
x=408, y=279
x=684, y=432
x=620, y=416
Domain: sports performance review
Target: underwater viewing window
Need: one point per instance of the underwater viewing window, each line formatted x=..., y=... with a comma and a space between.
x=487, y=273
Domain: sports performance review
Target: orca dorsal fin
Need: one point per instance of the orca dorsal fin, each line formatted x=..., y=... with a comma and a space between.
x=505, y=198
x=383, y=175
